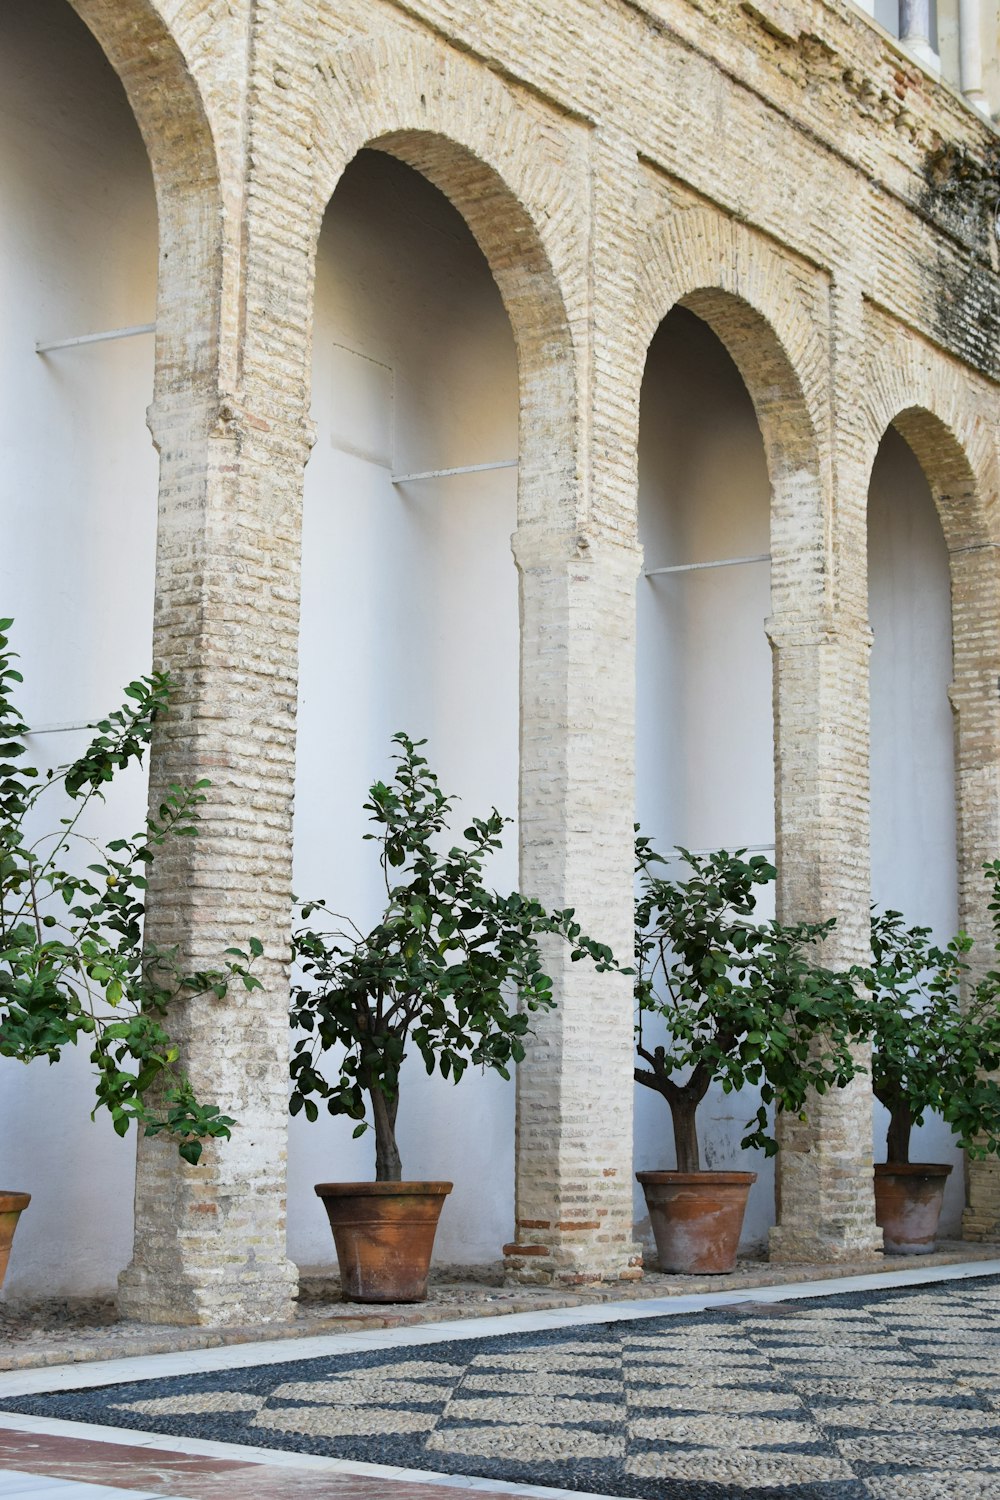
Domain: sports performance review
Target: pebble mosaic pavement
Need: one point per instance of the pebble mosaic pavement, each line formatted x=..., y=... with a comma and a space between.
x=863, y=1396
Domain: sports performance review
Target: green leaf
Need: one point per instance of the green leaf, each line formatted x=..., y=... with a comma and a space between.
x=443, y=973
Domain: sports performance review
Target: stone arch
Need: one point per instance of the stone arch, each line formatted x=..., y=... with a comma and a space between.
x=759, y=303
x=771, y=312
x=951, y=433
x=170, y=112
x=950, y=474
x=519, y=189
x=521, y=177
x=765, y=310
x=949, y=422
x=931, y=405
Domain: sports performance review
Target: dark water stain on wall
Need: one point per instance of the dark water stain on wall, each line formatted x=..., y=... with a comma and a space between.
x=962, y=195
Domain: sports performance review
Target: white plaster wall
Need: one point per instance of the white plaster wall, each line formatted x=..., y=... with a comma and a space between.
x=914, y=862
x=77, y=521
x=409, y=621
x=705, y=776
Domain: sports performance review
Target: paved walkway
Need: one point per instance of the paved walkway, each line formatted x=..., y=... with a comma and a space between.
x=882, y=1387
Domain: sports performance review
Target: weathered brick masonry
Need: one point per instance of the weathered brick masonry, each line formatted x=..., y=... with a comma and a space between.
x=781, y=170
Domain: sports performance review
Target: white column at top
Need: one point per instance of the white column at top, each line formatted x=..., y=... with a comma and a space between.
x=915, y=32
x=970, y=54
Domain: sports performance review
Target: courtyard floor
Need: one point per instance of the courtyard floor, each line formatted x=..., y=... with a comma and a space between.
x=881, y=1386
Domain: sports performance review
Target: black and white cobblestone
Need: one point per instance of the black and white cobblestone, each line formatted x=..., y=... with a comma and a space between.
x=884, y=1395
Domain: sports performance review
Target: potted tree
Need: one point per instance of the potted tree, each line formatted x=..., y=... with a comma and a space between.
x=440, y=972
x=72, y=961
x=936, y=1038
x=739, y=1002
x=12, y=1205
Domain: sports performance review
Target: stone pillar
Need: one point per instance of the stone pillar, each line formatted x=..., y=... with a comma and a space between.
x=825, y=1199
x=821, y=642
x=210, y=1239
x=975, y=698
x=575, y=1089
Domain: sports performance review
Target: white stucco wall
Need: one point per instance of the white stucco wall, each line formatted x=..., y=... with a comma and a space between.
x=704, y=754
x=912, y=766
x=409, y=622
x=77, y=519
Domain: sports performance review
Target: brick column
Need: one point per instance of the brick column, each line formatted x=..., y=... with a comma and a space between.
x=975, y=698
x=825, y=1200
x=210, y=1240
x=821, y=642
x=575, y=1090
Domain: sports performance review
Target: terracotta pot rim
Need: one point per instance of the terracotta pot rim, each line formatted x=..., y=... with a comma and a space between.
x=912, y=1168
x=12, y=1202
x=685, y=1179
x=382, y=1189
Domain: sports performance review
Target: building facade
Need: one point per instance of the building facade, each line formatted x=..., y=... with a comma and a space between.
x=652, y=282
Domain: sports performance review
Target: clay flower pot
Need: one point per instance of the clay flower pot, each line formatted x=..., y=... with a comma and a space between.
x=384, y=1234
x=697, y=1218
x=11, y=1208
x=908, y=1200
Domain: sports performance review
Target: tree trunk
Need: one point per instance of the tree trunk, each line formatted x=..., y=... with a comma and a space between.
x=898, y=1137
x=683, y=1099
x=683, y=1111
x=388, y=1167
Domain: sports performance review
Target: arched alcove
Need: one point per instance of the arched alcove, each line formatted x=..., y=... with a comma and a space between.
x=409, y=621
x=913, y=824
x=521, y=191
x=147, y=57
x=78, y=508
x=704, y=732
x=912, y=750
x=950, y=446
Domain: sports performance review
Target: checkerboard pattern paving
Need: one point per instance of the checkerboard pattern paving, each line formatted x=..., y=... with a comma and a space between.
x=867, y=1396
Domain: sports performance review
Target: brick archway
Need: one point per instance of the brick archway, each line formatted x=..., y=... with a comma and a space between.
x=771, y=312
x=765, y=307
x=946, y=416
x=766, y=317
x=929, y=405
x=522, y=190
x=518, y=189
x=171, y=114
x=945, y=420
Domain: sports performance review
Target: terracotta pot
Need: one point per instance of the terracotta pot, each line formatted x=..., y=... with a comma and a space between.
x=11, y=1207
x=384, y=1234
x=908, y=1199
x=697, y=1218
